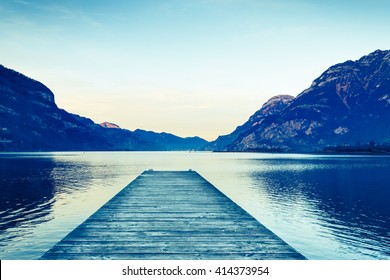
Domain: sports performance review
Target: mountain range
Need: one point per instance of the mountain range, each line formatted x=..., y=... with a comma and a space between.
x=347, y=106
x=31, y=121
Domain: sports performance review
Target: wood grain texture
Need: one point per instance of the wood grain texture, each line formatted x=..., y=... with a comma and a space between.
x=164, y=215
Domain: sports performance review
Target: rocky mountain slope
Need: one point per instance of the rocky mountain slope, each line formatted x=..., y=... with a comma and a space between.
x=272, y=107
x=31, y=121
x=348, y=105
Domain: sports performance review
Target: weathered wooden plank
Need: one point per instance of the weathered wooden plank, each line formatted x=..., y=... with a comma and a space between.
x=159, y=235
x=166, y=217
x=166, y=242
x=167, y=250
x=204, y=226
x=171, y=215
x=174, y=256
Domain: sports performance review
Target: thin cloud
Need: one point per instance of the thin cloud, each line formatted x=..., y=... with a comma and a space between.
x=61, y=11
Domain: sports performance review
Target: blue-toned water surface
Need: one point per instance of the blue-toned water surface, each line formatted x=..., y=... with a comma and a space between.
x=326, y=207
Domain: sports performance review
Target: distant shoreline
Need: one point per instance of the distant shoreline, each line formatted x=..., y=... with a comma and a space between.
x=327, y=152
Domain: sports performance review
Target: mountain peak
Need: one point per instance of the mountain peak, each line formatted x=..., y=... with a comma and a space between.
x=377, y=56
x=378, y=52
x=31, y=121
x=274, y=105
x=348, y=104
x=351, y=83
x=25, y=86
x=109, y=125
x=278, y=99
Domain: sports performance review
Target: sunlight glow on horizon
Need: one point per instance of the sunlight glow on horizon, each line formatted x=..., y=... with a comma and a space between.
x=184, y=67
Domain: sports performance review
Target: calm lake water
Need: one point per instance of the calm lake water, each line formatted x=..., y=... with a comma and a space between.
x=326, y=207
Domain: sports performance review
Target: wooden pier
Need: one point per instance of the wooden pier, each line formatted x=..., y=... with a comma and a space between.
x=175, y=215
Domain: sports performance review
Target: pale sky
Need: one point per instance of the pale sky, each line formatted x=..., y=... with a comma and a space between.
x=188, y=67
